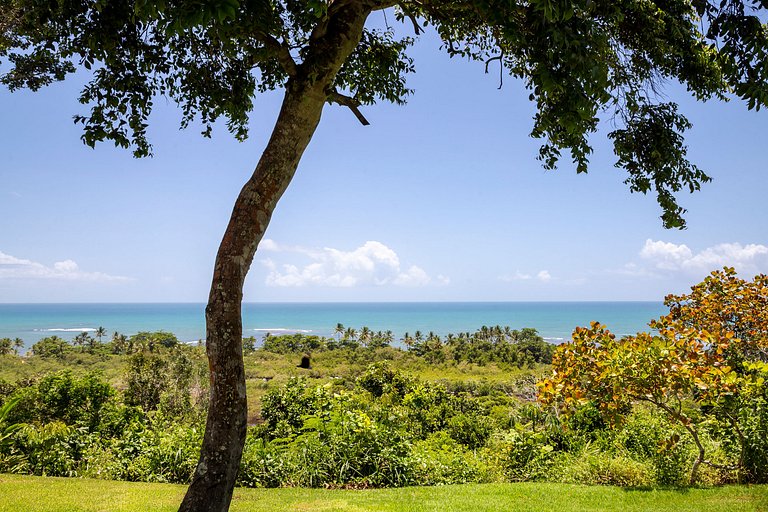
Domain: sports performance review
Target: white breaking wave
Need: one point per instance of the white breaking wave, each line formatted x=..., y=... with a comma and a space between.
x=62, y=329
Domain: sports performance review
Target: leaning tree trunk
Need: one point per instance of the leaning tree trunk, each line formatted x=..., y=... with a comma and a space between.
x=307, y=91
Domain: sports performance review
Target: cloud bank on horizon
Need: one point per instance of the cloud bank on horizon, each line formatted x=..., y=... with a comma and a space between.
x=15, y=268
x=666, y=260
x=371, y=264
x=317, y=274
x=669, y=256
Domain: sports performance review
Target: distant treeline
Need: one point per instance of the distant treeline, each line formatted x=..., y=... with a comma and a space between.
x=54, y=346
x=488, y=344
x=497, y=344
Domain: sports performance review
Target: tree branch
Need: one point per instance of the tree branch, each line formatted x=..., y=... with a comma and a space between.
x=352, y=104
x=280, y=50
x=501, y=67
x=416, y=27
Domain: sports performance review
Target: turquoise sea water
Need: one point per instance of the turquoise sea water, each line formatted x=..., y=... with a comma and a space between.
x=554, y=320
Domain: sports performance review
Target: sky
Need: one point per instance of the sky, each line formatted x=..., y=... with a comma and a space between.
x=438, y=200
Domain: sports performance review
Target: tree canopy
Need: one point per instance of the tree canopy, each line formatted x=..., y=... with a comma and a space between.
x=582, y=61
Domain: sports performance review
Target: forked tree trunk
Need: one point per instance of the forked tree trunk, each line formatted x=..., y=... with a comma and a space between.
x=306, y=93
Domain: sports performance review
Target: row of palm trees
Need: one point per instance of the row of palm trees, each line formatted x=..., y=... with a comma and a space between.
x=118, y=344
x=495, y=335
x=83, y=340
x=86, y=341
x=10, y=346
x=487, y=344
x=364, y=336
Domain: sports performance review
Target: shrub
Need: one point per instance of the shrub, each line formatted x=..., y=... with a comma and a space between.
x=51, y=347
x=753, y=416
x=471, y=430
x=284, y=409
x=525, y=454
x=593, y=467
x=349, y=448
x=53, y=449
x=173, y=454
x=440, y=459
x=73, y=400
x=264, y=464
x=379, y=378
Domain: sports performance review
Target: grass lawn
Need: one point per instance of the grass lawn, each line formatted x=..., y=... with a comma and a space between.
x=38, y=494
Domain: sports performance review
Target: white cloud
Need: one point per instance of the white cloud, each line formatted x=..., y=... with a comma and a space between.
x=373, y=263
x=268, y=245
x=12, y=267
x=543, y=276
x=66, y=266
x=414, y=276
x=670, y=256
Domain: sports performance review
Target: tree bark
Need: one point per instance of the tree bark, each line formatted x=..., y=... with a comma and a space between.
x=306, y=93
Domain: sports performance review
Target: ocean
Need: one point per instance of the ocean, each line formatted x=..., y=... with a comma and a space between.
x=555, y=321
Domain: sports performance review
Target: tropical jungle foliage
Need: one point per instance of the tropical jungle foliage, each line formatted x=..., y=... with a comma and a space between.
x=443, y=409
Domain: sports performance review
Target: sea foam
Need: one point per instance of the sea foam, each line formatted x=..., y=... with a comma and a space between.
x=62, y=329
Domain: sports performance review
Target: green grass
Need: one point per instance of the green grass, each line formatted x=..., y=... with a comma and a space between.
x=42, y=494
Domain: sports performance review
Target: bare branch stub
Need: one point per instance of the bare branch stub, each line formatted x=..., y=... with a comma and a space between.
x=349, y=102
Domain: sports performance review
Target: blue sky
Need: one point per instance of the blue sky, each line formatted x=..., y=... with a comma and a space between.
x=442, y=199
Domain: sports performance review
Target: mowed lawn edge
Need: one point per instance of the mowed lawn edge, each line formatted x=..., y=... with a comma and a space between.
x=48, y=494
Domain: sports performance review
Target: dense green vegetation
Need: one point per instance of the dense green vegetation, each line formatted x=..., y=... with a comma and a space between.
x=444, y=410
x=685, y=406
x=47, y=494
x=137, y=415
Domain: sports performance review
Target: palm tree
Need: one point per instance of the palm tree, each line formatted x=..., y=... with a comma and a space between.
x=365, y=335
x=119, y=343
x=81, y=340
x=100, y=332
x=5, y=346
x=407, y=341
x=18, y=344
x=339, y=331
x=433, y=341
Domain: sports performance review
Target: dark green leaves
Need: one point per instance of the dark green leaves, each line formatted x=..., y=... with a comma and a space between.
x=652, y=151
x=377, y=68
x=581, y=60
